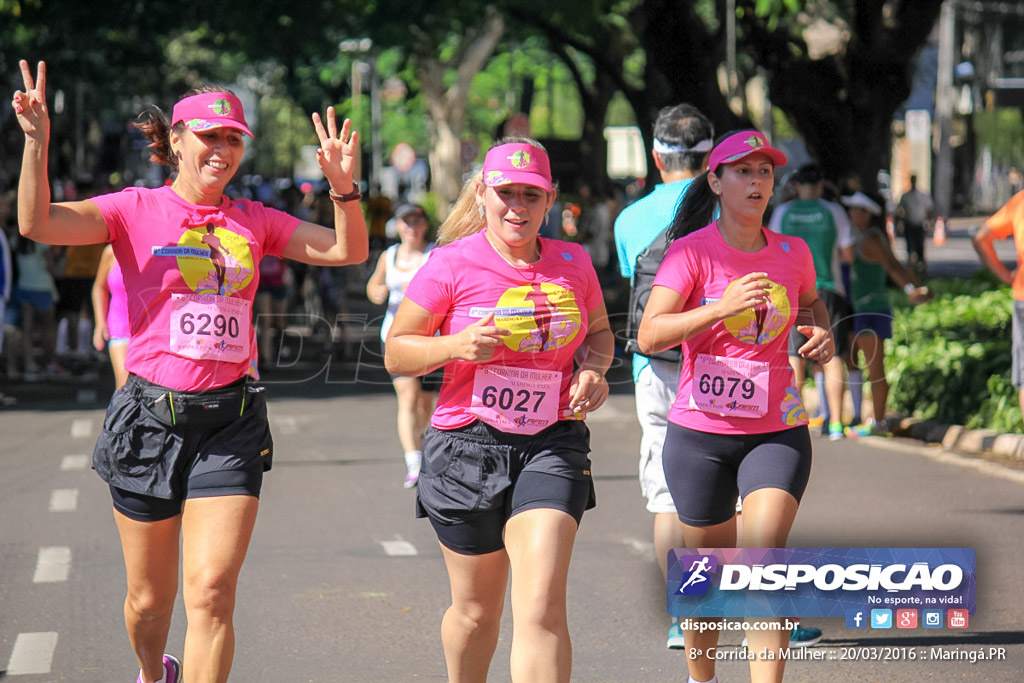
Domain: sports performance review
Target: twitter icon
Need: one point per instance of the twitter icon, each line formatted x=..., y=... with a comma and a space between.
x=881, y=618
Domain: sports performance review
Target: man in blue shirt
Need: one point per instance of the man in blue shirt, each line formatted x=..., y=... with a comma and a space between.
x=683, y=138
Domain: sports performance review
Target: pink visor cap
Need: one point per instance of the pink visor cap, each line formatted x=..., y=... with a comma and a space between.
x=517, y=162
x=739, y=145
x=210, y=110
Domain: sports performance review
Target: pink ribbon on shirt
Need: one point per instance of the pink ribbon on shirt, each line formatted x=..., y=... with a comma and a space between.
x=202, y=217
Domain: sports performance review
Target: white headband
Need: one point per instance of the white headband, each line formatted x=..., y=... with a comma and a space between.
x=665, y=148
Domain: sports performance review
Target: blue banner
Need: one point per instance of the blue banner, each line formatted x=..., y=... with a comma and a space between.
x=818, y=582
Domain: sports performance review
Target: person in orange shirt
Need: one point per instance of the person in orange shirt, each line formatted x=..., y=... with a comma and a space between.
x=1009, y=220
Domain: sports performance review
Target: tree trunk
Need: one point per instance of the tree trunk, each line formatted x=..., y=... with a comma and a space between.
x=447, y=105
x=682, y=67
x=846, y=124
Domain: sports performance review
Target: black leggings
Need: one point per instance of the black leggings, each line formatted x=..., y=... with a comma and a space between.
x=705, y=472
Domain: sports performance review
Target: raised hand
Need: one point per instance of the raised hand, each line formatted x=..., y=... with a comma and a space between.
x=476, y=342
x=337, y=153
x=30, y=105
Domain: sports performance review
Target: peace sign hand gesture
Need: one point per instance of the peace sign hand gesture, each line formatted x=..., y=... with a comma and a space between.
x=337, y=154
x=30, y=106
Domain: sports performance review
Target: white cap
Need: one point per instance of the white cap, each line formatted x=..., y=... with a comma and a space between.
x=859, y=200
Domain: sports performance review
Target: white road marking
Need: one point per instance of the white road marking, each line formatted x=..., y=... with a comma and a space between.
x=81, y=428
x=639, y=547
x=53, y=565
x=74, y=462
x=399, y=547
x=64, y=500
x=32, y=654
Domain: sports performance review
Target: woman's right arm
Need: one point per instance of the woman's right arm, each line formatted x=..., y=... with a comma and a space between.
x=38, y=219
x=665, y=324
x=376, y=289
x=411, y=348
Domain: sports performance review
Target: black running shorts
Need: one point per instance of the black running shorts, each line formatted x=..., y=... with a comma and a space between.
x=474, y=478
x=154, y=462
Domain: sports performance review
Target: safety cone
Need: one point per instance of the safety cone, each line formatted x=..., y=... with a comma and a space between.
x=939, y=236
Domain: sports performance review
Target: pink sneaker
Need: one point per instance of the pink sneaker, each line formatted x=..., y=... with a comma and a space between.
x=172, y=670
x=412, y=477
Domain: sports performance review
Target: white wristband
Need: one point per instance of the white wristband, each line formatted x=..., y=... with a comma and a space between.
x=909, y=287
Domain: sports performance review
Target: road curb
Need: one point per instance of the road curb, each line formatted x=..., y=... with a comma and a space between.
x=958, y=437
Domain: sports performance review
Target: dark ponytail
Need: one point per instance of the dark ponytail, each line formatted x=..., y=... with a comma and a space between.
x=695, y=211
x=155, y=125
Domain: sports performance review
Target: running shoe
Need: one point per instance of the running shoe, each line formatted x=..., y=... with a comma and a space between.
x=816, y=424
x=412, y=477
x=675, y=637
x=835, y=431
x=804, y=637
x=172, y=670
x=872, y=428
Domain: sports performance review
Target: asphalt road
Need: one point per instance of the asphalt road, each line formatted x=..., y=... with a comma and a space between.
x=343, y=584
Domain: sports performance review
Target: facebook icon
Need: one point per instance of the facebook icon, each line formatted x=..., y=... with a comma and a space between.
x=855, y=618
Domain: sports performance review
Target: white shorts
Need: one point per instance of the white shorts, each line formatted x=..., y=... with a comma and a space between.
x=655, y=392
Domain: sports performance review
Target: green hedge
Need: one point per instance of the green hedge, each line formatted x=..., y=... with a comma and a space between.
x=949, y=360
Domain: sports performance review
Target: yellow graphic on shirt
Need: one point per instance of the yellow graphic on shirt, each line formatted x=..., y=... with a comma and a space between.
x=763, y=324
x=540, y=317
x=226, y=269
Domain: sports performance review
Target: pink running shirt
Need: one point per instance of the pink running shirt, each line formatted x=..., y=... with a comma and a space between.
x=545, y=305
x=700, y=267
x=167, y=246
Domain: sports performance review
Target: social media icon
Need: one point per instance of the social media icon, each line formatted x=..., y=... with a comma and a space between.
x=932, y=618
x=957, y=618
x=906, y=618
x=881, y=618
x=856, y=618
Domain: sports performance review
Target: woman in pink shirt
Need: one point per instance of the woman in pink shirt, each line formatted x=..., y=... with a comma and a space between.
x=729, y=291
x=186, y=441
x=110, y=309
x=524, y=341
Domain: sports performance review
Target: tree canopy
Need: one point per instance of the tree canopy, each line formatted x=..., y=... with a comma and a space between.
x=451, y=57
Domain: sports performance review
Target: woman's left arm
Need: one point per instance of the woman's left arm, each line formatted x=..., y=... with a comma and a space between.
x=589, y=388
x=348, y=243
x=820, y=346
